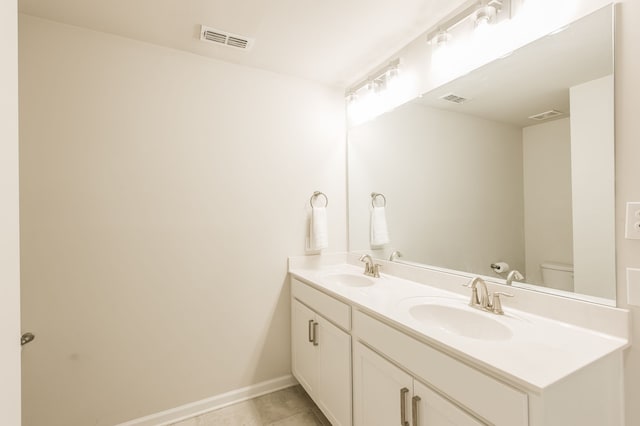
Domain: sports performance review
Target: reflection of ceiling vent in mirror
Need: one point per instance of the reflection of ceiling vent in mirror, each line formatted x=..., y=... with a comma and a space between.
x=212, y=35
x=454, y=98
x=546, y=115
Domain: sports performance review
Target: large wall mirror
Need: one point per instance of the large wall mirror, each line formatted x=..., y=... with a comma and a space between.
x=521, y=172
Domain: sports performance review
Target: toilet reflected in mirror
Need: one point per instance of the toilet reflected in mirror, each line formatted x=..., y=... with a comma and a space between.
x=557, y=275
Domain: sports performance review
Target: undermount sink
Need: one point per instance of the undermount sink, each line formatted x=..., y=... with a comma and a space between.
x=349, y=280
x=460, y=320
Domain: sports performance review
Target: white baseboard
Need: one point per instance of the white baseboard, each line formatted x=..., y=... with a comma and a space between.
x=197, y=408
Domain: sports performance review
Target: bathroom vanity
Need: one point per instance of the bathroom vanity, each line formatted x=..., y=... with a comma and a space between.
x=407, y=349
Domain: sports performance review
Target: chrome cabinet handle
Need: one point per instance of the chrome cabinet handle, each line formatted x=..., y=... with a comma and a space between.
x=309, y=330
x=26, y=338
x=414, y=409
x=403, y=407
x=315, y=334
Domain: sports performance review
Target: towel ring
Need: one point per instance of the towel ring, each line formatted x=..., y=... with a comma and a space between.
x=375, y=195
x=317, y=194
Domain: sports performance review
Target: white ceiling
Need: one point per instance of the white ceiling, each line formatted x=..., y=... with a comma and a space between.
x=330, y=41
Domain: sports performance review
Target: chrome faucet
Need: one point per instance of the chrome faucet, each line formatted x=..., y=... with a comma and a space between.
x=485, y=301
x=371, y=269
x=514, y=275
x=481, y=300
x=395, y=255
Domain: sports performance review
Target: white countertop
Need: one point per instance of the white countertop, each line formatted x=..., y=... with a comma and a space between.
x=540, y=351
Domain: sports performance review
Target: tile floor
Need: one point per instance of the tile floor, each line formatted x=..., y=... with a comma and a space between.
x=288, y=407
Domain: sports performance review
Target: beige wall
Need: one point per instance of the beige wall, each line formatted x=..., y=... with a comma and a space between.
x=161, y=195
x=546, y=151
x=422, y=159
x=9, y=251
x=98, y=301
x=627, y=86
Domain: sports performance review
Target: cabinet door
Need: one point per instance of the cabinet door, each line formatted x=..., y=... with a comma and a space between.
x=334, y=373
x=303, y=352
x=430, y=409
x=381, y=391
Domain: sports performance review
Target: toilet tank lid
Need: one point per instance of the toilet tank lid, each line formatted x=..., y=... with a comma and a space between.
x=557, y=266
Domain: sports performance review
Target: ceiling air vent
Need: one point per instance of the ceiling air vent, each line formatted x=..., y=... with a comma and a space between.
x=546, y=115
x=454, y=98
x=212, y=35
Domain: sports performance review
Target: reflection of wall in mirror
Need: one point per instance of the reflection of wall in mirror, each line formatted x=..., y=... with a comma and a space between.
x=464, y=192
x=569, y=191
x=453, y=184
x=548, y=226
x=592, y=168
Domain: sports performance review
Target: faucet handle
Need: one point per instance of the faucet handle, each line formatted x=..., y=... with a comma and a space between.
x=396, y=254
x=375, y=270
x=496, y=304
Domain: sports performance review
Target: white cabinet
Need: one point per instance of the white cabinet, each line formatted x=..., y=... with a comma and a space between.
x=489, y=399
x=333, y=383
x=386, y=395
x=380, y=389
x=303, y=353
x=396, y=368
x=431, y=409
x=321, y=358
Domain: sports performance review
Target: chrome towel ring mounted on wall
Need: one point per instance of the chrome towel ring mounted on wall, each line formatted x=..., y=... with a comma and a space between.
x=317, y=194
x=374, y=196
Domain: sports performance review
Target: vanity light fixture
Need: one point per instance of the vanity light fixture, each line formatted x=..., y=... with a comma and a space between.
x=392, y=73
x=441, y=38
x=375, y=95
x=379, y=84
x=352, y=97
x=376, y=82
x=485, y=15
x=481, y=13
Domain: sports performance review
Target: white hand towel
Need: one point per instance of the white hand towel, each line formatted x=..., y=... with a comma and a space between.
x=319, y=233
x=379, y=232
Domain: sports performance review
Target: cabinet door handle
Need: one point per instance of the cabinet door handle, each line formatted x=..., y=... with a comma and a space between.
x=403, y=407
x=414, y=409
x=315, y=334
x=310, y=325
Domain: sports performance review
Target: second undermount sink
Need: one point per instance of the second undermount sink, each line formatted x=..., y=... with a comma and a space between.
x=349, y=280
x=459, y=319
